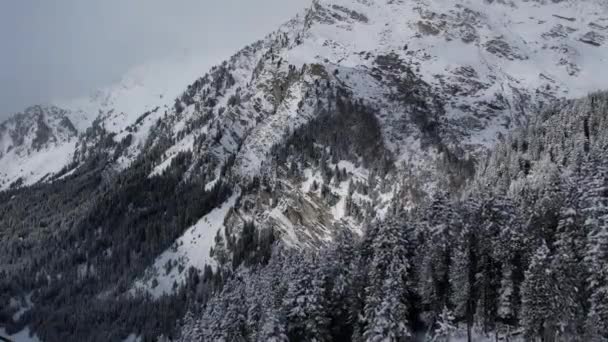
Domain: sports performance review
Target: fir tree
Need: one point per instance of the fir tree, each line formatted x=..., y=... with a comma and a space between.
x=445, y=326
x=305, y=304
x=463, y=277
x=385, y=309
x=273, y=328
x=538, y=297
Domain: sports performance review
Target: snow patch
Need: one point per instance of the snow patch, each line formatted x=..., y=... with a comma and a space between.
x=24, y=335
x=190, y=250
x=36, y=166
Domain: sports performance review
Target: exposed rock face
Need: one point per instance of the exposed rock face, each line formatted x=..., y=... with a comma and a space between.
x=594, y=38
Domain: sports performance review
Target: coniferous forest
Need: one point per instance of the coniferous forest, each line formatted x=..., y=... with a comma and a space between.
x=521, y=254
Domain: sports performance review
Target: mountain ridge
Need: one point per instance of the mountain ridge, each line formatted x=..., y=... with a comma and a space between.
x=428, y=21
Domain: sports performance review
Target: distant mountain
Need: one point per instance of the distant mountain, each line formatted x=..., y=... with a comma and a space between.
x=140, y=97
x=34, y=145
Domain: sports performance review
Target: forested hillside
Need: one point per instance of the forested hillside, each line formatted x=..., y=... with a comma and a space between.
x=72, y=280
x=386, y=170
x=523, y=255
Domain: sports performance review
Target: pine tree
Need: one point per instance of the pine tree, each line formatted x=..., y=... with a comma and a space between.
x=337, y=266
x=255, y=299
x=439, y=225
x=570, y=277
x=538, y=297
x=462, y=276
x=385, y=308
x=496, y=219
x=191, y=328
x=229, y=322
x=273, y=328
x=445, y=326
x=305, y=305
x=597, y=322
x=595, y=208
x=387, y=321
x=506, y=301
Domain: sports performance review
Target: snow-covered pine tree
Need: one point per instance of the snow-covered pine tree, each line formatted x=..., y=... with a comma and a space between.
x=190, y=328
x=497, y=241
x=385, y=311
x=597, y=323
x=273, y=328
x=209, y=325
x=538, y=297
x=388, y=321
x=337, y=265
x=438, y=233
x=595, y=208
x=445, y=326
x=255, y=299
x=463, y=273
x=570, y=278
x=304, y=303
x=507, y=308
x=229, y=324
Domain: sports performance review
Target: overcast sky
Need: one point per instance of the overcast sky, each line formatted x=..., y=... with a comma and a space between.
x=53, y=49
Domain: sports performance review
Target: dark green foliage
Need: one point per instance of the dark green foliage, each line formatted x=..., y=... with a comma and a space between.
x=77, y=245
x=350, y=131
x=253, y=246
x=43, y=133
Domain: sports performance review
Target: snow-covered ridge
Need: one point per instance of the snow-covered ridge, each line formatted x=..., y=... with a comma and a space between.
x=474, y=52
x=34, y=144
x=469, y=68
x=129, y=107
x=142, y=89
x=487, y=61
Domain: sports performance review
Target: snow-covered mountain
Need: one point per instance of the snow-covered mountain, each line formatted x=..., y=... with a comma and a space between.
x=484, y=63
x=436, y=82
x=458, y=72
x=438, y=75
x=131, y=106
x=35, y=144
x=344, y=116
x=443, y=80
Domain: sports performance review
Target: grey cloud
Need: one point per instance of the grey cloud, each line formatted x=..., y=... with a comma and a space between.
x=67, y=48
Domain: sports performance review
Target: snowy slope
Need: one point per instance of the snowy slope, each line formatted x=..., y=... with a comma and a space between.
x=34, y=144
x=190, y=250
